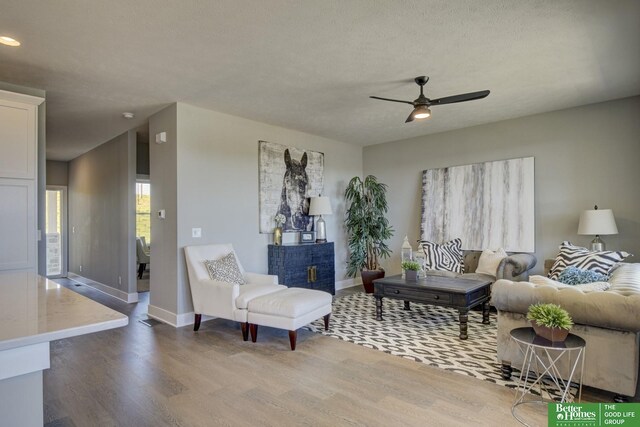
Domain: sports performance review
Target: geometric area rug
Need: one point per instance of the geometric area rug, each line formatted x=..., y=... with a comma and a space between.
x=427, y=334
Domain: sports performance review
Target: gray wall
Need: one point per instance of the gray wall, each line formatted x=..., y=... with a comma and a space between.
x=142, y=157
x=102, y=211
x=583, y=156
x=163, y=176
x=217, y=191
x=57, y=173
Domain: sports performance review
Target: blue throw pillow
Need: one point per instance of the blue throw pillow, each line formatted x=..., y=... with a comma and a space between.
x=576, y=276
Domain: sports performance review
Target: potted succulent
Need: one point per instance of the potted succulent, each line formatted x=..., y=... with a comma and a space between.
x=368, y=229
x=550, y=321
x=410, y=270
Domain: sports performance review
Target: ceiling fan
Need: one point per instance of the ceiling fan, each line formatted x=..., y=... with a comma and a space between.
x=421, y=104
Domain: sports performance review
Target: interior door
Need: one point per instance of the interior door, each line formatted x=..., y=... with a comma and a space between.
x=56, y=231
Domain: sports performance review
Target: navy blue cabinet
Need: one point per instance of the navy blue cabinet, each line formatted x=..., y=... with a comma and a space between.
x=309, y=265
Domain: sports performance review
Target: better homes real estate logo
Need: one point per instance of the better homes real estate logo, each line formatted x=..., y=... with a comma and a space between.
x=594, y=414
x=574, y=414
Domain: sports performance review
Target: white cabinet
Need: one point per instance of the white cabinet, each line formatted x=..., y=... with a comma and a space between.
x=18, y=173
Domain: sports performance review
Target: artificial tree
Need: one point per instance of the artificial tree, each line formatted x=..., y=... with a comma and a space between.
x=368, y=228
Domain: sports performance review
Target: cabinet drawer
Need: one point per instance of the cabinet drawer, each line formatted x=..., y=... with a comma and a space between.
x=414, y=295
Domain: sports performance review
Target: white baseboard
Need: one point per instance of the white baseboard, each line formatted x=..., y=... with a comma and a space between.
x=173, y=319
x=348, y=283
x=106, y=289
x=162, y=315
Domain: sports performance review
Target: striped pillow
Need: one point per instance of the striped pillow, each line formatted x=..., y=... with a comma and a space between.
x=446, y=256
x=625, y=279
x=583, y=258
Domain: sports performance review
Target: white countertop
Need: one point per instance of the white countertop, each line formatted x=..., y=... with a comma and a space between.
x=34, y=309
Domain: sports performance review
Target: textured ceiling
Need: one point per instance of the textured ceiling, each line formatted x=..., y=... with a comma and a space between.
x=311, y=65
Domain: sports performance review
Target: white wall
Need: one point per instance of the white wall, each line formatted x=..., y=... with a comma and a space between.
x=217, y=188
x=101, y=202
x=583, y=156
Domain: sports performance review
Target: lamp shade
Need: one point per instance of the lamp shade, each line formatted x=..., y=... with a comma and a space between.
x=320, y=205
x=597, y=222
x=419, y=112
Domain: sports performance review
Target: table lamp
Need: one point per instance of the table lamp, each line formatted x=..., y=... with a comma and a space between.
x=320, y=205
x=597, y=222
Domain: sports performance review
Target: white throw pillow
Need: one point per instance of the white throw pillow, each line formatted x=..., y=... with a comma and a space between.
x=490, y=260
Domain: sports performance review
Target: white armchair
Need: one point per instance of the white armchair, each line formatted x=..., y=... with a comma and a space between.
x=222, y=299
x=142, y=257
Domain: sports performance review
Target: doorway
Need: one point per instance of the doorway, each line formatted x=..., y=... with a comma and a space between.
x=143, y=233
x=56, y=231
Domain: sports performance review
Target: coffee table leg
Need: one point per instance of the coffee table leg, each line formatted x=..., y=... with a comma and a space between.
x=464, y=318
x=378, y=308
x=407, y=305
x=485, y=313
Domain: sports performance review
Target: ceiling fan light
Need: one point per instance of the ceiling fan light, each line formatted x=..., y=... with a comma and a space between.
x=421, y=112
x=9, y=41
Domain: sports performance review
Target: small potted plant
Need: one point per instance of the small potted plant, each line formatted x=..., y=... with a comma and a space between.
x=410, y=270
x=550, y=321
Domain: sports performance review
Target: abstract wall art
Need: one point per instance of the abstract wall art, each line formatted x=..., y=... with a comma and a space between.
x=288, y=177
x=488, y=205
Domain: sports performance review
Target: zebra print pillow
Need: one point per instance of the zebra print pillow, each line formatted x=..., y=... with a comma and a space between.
x=583, y=258
x=446, y=256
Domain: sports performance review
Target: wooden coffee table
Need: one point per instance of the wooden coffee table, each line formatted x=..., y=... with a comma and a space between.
x=462, y=294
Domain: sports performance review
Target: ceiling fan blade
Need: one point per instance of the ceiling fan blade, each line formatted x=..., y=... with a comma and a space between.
x=410, y=118
x=460, y=98
x=392, y=100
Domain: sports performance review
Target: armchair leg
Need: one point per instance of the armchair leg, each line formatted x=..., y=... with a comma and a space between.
x=141, y=270
x=245, y=331
x=196, y=322
x=293, y=335
x=326, y=322
x=254, y=332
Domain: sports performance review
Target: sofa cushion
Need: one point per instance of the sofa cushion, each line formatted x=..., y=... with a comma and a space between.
x=625, y=279
x=600, y=262
x=576, y=276
x=225, y=269
x=490, y=260
x=477, y=276
x=603, y=309
x=584, y=287
x=446, y=256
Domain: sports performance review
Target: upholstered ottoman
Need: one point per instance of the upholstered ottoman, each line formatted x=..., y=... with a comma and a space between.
x=289, y=309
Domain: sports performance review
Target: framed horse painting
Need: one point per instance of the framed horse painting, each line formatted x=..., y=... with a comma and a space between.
x=289, y=176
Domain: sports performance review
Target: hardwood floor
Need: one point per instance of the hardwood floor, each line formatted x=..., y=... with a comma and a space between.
x=162, y=376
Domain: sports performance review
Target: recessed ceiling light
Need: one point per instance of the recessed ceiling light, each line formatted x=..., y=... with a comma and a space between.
x=128, y=115
x=9, y=41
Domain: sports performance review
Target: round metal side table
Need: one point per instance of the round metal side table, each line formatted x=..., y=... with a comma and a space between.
x=542, y=357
